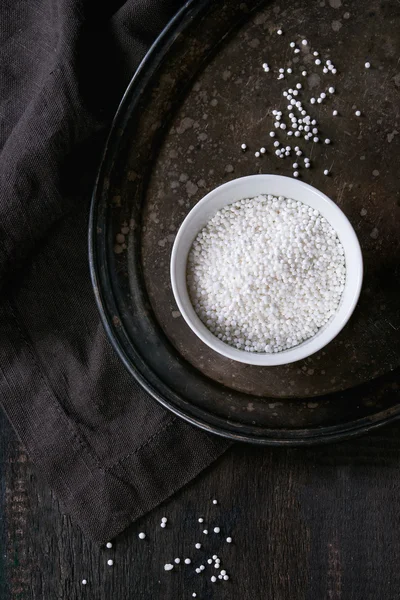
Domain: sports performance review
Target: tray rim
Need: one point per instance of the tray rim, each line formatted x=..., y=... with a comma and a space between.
x=113, y=326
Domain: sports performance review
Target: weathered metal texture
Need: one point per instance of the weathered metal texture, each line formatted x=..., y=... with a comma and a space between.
x=200, y=94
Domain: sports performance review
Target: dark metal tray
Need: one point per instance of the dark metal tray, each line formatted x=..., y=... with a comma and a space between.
x=200, y=93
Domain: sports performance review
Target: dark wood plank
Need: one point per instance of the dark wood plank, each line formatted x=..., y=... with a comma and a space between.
x=308, y=524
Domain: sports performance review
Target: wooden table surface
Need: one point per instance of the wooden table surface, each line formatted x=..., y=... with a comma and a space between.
x=307, y=524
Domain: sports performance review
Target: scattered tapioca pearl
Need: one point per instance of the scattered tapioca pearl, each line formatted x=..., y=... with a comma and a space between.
x=327, y=141
x=202, y=567
x=292, y=44
x=299, y=153
x=295, y=165
x=297, y=133
x=289, y=70
x=213, y=578
x=323, y=95
x=315, y=130
x=197, y=546
x=281, y=70
x=168, y=567
x=272, y=134
x=164, y=520
x=226, y=577
x=223, y=572
x=215, y=501
x=316, y=139
x=205, y=531
x=334, y=113
x=334, y=71
x=217, y=529
x=163, y=525
x=297, y=50
x=290, y=132
x=276, y=143
x=220, y=576
x=215, y=557
x=194, y=595
x=325, y=70
x=279, y=32
x=84, y=581
x=187, y=561
x=109, y=545
x=282, y=126
x=198, y=571
x=312, y=100
x=216, y=566
x=244, y=147
x=266, y=67
x=307, y=165
x=263, y=150
x=295, y=174
x=304, y=42
x=304, y=73
x=358, y=113
x=209, y=561
x=281, y=76
x=201, y=520
x=299, y=86
x=326, y=172
x=317, y=61
x=331, y=90
x=141, y=536
x=277, y=152
x=367, y=65
x=110, y=562
x=256, y=154
x=177, y=561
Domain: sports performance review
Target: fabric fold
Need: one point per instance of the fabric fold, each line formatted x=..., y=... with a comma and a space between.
x=109, y=451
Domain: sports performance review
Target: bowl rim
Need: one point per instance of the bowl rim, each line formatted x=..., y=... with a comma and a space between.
x=314, y=344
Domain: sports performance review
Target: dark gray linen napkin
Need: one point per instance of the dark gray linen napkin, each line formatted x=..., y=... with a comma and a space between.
x=109, y=451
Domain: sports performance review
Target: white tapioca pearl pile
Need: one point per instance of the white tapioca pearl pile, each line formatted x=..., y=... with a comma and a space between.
x=266, y=273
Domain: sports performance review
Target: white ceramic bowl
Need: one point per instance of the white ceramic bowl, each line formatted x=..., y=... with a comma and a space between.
x=249, y=187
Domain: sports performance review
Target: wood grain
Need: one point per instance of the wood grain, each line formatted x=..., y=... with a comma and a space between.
x=307, y=524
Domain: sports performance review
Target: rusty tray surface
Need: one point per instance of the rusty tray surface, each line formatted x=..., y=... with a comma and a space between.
x=198, y=95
